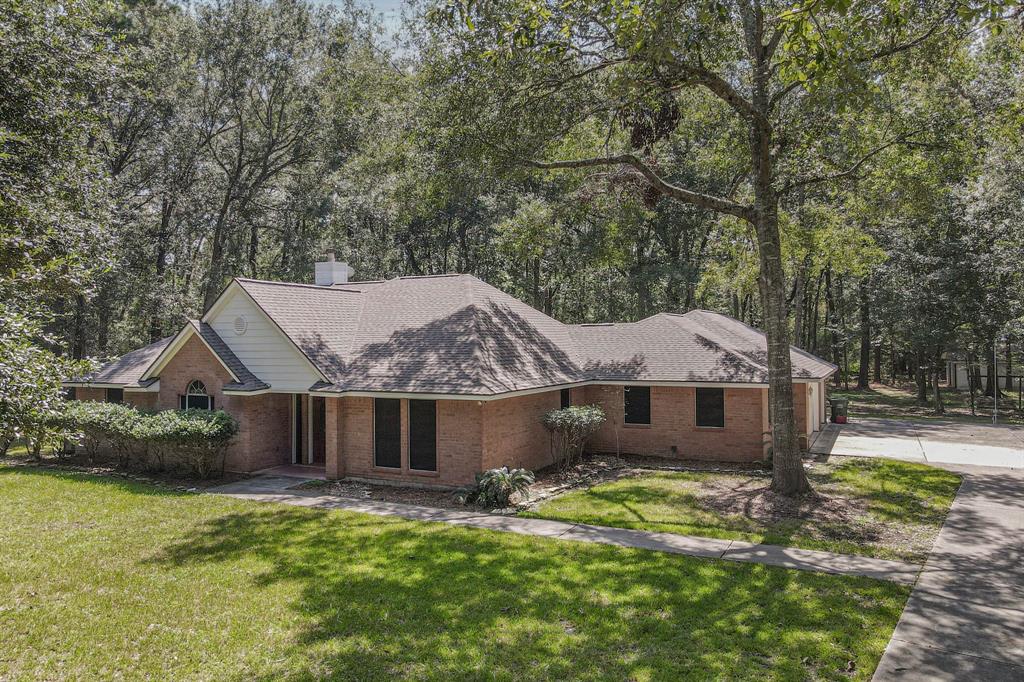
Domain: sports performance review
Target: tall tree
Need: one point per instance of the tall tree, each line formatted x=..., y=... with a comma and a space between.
x=787, y=75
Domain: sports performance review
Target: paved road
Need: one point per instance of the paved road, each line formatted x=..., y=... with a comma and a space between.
x=935, y=442
x=965, y=618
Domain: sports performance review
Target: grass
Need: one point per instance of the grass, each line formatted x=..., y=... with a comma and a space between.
x=880, y=508
x=105, y=578
x=900, y=402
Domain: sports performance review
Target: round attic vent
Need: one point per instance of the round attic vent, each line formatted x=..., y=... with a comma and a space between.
x=241, y=324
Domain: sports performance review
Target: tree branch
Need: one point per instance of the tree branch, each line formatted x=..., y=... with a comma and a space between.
x=852, y=169
x=700, y=199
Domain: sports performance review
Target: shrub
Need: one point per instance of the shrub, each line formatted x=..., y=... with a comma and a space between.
x=571, y=427
x=495, y=487
x=30, y=380
x=95, y=425
x=197, y=439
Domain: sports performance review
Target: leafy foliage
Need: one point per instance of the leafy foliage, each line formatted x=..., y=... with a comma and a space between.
x=571, y=427
x=30, y=381
x=496, y=487
x=196, y=439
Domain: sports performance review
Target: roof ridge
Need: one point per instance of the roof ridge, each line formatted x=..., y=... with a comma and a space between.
x=318, y=287
x=447, y=274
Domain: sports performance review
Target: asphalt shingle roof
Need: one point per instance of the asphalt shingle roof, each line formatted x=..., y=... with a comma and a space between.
x=455, y=334
x=127, y=369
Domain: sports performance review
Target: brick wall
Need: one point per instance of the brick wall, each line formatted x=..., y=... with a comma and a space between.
x=94, y=394
x=513, y=435
x=458, y=443
x=264, y=420
x=143, y=401
x=673, y=424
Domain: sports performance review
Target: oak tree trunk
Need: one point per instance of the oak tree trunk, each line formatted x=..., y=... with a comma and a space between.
x=788, y=477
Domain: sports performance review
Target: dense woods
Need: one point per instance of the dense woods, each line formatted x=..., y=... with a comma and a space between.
x=850, y=178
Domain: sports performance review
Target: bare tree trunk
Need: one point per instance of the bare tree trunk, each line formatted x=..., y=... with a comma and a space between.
x=919, y=375
x=832, y=326
x=878, y=363
x=78, y=332
x=788, y=477
x=800, y=304
x=865, y=336
x=167, y=207
x=1009, y=366
x=936, y=391
x=972, y=382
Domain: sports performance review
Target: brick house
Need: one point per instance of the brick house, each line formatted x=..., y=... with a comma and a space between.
x=433, y=379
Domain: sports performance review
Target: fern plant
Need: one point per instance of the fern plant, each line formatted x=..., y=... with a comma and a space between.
x=495, y=487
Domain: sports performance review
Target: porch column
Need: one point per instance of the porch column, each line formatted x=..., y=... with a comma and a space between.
x=334, y=461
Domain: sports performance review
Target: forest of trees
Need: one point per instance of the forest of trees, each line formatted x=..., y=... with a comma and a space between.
x=860, y=173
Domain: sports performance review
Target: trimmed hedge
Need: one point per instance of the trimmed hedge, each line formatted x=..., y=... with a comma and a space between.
x=195, y=439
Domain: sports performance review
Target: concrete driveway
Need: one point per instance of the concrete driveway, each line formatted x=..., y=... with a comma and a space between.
x=935, y=442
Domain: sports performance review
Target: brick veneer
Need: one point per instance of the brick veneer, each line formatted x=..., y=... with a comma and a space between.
x=673, y=424
x=264, y=421
x=350, y=442
x=513, y=434
x=94, y=394
x=800, y=411
x=472, y=435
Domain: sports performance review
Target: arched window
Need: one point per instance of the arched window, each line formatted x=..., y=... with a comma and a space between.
x=196, y=397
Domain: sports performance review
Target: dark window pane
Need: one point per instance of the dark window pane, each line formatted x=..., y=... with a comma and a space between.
x=70, y=393
x=566, y=398
x=198, y=402
x=423, y=435
x=115, y=395
x=387, y=432
x=710, y=407
x=638, y=404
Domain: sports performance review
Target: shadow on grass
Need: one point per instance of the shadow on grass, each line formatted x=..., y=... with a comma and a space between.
x=899, y=491
x=137, y=487
x=386, y=598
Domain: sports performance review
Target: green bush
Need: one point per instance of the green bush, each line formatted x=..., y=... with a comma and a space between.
x=495, y=487
x=30, y=381
x=195, y=439
x=571, y=427
x=95, y=425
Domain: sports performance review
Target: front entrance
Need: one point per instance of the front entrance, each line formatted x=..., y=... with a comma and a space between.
x=309, y=433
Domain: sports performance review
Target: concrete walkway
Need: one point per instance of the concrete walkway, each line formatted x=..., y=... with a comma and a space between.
x=278, y=489
x=965, y=618
x=933, y=441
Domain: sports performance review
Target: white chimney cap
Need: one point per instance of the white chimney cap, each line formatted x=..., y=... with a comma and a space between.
x=331, y=271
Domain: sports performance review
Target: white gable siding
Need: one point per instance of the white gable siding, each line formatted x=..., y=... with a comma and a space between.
x=263, y=348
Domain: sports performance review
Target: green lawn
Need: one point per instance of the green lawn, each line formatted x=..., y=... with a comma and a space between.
x=104, y=578
x=879, y=507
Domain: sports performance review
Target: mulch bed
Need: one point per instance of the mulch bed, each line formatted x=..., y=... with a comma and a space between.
x=551, y=482
x=355, y=490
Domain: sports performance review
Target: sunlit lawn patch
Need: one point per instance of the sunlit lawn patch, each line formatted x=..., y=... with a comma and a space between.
x=105, y=578
x=874, y=507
